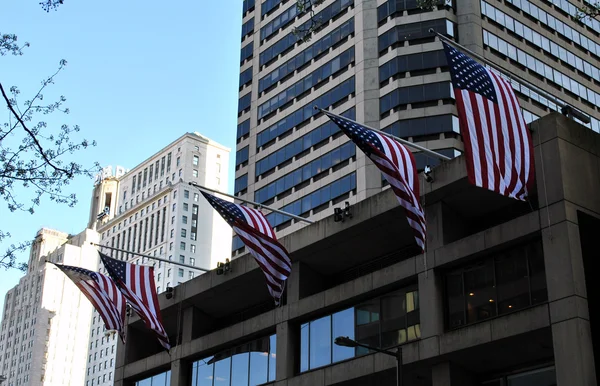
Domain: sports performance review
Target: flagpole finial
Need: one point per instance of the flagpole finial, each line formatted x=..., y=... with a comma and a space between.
x=431, y=31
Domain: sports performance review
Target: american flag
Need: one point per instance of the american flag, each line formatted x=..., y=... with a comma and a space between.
x=136, y=282
x=396, y=163
x=256, y=233
x=103, y=293
x=497, y=142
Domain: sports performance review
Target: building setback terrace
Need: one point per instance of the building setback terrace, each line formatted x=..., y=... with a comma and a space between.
x=501, y=297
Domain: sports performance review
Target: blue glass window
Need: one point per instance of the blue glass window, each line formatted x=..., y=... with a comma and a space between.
x=413, y=31
x=241, y=183
x=243, y=129
x=247, y=52
x=249, y=364
x=306, y=112
x=306, y=172
x=318, y=197
x=386, y=321
x=290, y=39
x=268, y=6
x=319, y=75
x=246, y=77
x=241, y=156
x=247, y=27
x=244, y=102
x=162, y=379
x=306, y=56
x=414, y=94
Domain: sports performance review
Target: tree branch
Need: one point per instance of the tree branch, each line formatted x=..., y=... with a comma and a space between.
x=40, y=149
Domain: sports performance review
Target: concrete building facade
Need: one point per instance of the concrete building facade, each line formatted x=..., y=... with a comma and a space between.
x=377, y=62
x=503, y=295
x=46, y=321
x=152, y=210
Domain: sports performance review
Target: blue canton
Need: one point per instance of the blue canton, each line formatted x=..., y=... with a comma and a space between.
x=115, y=268
x=80, y=271
x=467, y=74
x=228, y=210
x=362, y=137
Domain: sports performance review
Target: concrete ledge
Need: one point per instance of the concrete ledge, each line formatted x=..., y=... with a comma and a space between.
x=489, y=238
x=569, y=308
x=502, y=327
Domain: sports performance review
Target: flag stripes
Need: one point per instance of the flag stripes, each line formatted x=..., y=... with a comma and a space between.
x=136, y=282
x=103, y=293
x=498, y=144
x=398, y=166
x=256, y=233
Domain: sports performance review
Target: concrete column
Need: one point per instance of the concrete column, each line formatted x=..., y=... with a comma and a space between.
x=180, y=373
x=303, y=282
x=470, y=33
x=368, y=177
x=447, y=374
x=286, y=351
x=431, y=306
x=569, y=315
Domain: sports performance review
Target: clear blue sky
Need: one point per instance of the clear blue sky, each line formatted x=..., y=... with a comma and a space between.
x=139, y=75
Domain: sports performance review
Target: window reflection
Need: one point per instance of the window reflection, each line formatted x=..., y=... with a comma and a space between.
x=539, y=377
x=510, y=280
x=386, y=321
x=245, y=365
x=162, y=379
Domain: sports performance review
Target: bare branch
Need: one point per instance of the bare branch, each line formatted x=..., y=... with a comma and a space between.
x=37, y=143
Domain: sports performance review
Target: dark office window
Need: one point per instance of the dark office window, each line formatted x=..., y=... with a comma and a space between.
x=413, y=63
x=394, y=7
x=288, y=41
x=133, y=185
x=247, y=6
x=268, y=6
x=304, y=85
x=246, y=52
x=414, y=94
x=306, y=172
x=423, y=126
x=243, y=129
x=244, y=102
x=539, y=377
x=509, y=281
x=306, y=112
x=252, y=363
x=413, y=31
x=300, y=145
x=246, y=77
x=282, y=20
x=168, y=162
x=163, y=379
x=241, y=183
x=139, y=187
x=317, y=198
x=304, y=57
x=247, y=28
x=385, y=322
x=241, y=156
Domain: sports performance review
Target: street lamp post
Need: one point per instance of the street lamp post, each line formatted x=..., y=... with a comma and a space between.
x=347, y=342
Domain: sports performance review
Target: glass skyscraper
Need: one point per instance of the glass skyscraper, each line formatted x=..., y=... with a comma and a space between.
x=376, y=61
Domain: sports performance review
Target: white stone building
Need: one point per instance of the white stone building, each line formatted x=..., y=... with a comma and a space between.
x=152, y=210
x=46, y=319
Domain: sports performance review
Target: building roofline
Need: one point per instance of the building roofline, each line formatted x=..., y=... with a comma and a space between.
x=194, y=135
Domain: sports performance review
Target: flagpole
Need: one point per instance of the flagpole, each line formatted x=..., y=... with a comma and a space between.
x=402, y=141
x=580, y=115
x=299, y=218
x=151, y=257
